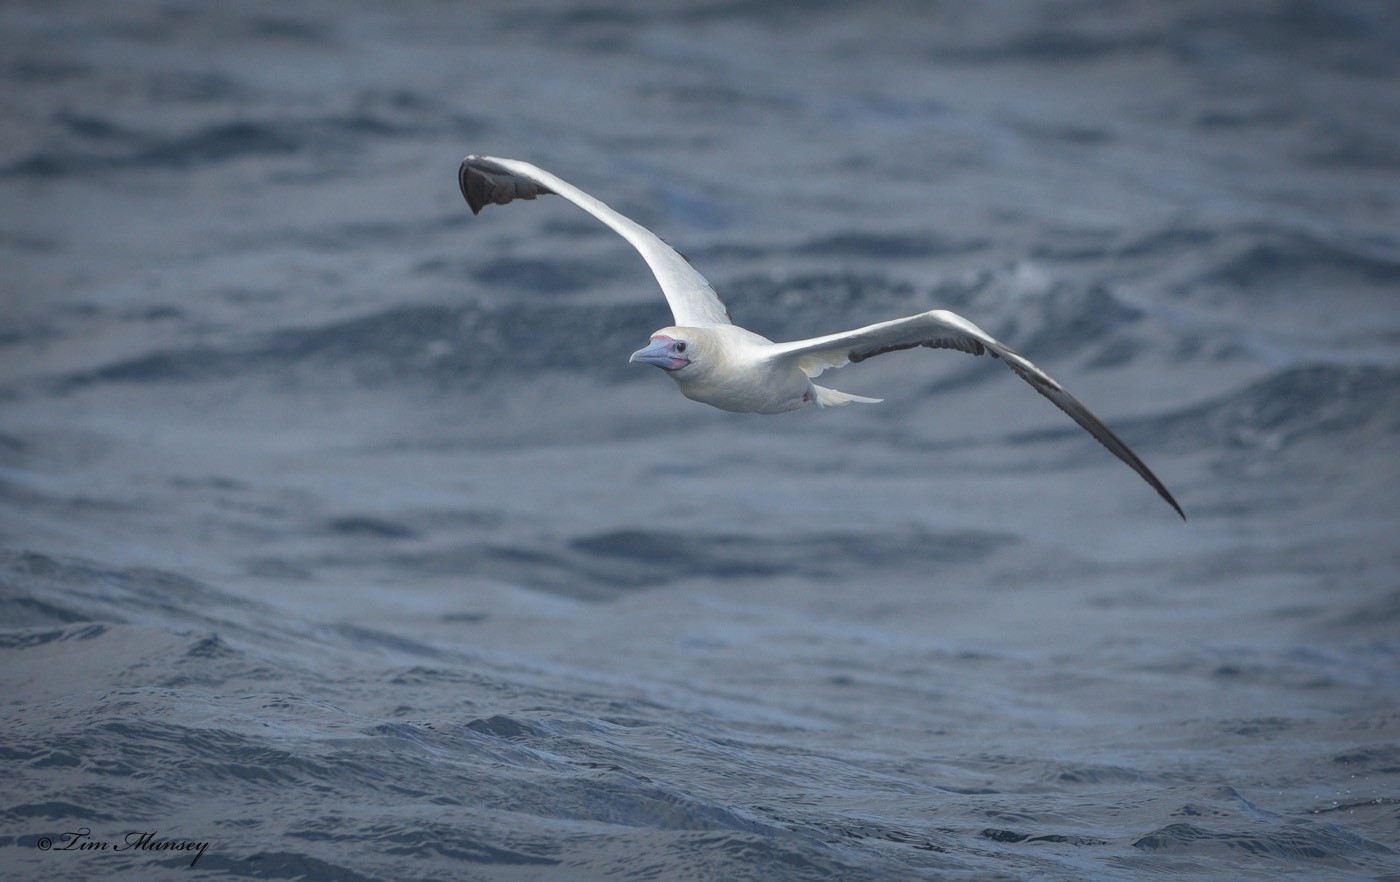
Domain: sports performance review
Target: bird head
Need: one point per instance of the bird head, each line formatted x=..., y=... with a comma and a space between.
x=670, y=349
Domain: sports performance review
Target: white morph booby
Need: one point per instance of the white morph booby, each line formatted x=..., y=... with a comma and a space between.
x=715, y=362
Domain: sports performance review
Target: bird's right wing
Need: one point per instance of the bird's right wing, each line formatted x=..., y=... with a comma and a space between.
x=940, y=329
x=487, y=180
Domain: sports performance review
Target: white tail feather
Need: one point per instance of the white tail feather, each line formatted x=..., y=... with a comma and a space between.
x=832, y=398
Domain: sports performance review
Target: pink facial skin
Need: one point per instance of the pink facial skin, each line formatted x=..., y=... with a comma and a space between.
x=663, y=352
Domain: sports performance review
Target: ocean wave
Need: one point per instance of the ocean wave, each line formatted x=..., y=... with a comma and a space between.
x=1278, y=262
x=91, y=143
x=606, y=565
x=1290, y=844
x=434, y=344
x=137, y=741
x=1283, y=410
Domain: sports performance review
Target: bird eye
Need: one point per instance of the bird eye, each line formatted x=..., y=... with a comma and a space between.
x=680, y=345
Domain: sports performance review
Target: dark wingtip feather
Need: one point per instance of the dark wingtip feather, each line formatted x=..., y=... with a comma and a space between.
x=1162, y=491
x=484, y=182
x=1105, y=436
x=1172, y=502
x=1096, y=427
x=471, y=186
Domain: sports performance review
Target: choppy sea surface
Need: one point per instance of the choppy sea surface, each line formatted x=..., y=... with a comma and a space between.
x=338, y=540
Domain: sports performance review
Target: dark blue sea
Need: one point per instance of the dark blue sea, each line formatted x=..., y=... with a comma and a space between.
x=339, y=542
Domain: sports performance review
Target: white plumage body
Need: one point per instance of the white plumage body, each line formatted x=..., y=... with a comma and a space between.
x=735, y=370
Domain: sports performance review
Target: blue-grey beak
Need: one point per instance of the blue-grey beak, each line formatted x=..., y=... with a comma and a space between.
x=662, y=353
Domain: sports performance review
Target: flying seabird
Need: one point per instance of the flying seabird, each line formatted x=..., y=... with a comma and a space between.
x=718, y=363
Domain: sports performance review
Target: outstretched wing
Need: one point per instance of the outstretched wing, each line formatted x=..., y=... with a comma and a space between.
x=488, y=180
x=940, y=329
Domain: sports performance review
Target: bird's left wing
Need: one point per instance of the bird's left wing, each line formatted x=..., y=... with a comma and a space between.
x=940, y=329
x=487, y=180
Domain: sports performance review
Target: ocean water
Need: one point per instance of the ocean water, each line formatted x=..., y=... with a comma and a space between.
x=339, y=541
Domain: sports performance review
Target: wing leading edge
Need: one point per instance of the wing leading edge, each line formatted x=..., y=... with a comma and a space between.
x=487, y=180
